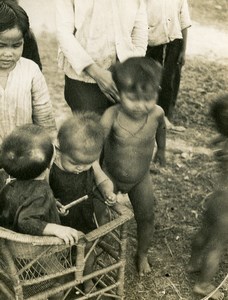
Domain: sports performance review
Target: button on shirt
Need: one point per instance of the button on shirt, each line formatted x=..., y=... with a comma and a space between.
x=166, y=20
x=99, y=31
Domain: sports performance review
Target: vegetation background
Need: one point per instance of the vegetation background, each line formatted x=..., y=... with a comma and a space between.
x=181, y=187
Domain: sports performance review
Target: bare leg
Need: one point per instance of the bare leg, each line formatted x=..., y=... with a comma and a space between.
x=142, y=199
x=198, y=247
x=210, y=266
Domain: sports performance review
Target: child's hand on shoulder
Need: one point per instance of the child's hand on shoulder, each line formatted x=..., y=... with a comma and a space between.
x=106, y=188
x=160, y=157
x=68, y=234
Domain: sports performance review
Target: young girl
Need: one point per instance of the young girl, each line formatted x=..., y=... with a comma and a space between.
x=30, y=49
x=24, y=96
x=131, y=128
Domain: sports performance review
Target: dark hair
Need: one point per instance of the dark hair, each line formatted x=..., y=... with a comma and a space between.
x=139, y=75
x=219, y=112
x=83, y=132
x=26, y=152
x=12, y=15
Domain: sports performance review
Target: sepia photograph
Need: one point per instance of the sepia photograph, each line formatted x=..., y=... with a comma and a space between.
x=113, y=149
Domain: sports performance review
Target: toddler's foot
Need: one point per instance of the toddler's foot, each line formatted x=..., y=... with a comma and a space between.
x=143, y=265
x=205, y=289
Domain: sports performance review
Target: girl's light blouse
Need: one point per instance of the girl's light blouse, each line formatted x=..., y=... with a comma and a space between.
x=25, y=99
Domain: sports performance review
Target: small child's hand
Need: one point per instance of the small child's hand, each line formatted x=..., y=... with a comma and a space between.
x=68, y=234
x=160, y=157
x=110, y=199
x=106, y=187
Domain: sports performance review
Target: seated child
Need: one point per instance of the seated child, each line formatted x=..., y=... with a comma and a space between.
x=27, y=204
x=131, y=128
x=210, y=242
x=76, y=173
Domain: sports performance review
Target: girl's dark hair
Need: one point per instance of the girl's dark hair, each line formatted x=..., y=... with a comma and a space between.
x=219, y=112
x=26, y=152
x=138, y=75
x=12, y=15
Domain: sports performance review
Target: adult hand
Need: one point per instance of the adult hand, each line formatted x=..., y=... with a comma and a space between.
x=105, y=82
x=181, y=58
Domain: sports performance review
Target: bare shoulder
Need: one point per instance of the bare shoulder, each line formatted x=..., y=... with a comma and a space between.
x=157, y=112
x=110, y=113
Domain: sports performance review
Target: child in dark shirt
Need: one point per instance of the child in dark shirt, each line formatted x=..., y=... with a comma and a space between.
x=27, y=204
x=76, y=172
x=131, y=128
x=211, y=240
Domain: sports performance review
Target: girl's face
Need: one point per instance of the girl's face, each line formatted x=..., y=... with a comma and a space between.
x=78, y=162
x=11, y=47
x=136, y=108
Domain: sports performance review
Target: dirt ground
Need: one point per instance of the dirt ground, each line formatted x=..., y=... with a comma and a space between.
x=190, y=174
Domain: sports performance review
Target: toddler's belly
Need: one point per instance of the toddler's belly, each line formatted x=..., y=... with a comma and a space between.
x=126, y=169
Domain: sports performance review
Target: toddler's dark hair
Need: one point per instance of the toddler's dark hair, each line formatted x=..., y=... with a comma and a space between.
x=82, y=131
x=12, y=15
x=27, y=152
x=138, y=75
x=219, y=112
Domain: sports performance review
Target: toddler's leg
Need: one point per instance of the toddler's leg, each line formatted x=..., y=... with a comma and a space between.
x=199, y=244
x=142, y=199
x=210, y=264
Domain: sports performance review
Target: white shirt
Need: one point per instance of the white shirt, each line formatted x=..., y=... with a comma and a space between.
x=166, y=20
x=99, y=31
x=25, y=99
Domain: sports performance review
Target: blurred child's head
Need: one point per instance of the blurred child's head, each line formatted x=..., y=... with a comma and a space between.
x=219, y=112
x=14, y=26
x=81, y=139
x=27, y=152
x=138, y=82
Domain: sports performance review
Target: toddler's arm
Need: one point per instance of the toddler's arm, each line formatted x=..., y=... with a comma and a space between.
x=161, y=141
x=108, y=118
x=104, y=184
x=68, y=234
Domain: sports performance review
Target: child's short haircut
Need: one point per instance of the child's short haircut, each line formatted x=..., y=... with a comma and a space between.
x=219, y=112
x=138, y=75
x=83, y=132
x=12, y=15
x=27, y=152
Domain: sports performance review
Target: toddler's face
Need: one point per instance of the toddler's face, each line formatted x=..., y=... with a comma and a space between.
x=136, y=108
x=11, y=47
x=78, y=162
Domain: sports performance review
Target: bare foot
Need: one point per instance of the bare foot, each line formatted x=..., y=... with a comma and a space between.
x=170, y=126
x=143, y=265
x=205, y=289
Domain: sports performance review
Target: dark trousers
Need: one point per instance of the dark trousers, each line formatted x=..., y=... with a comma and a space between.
x=81, y=95
x=168, y=55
